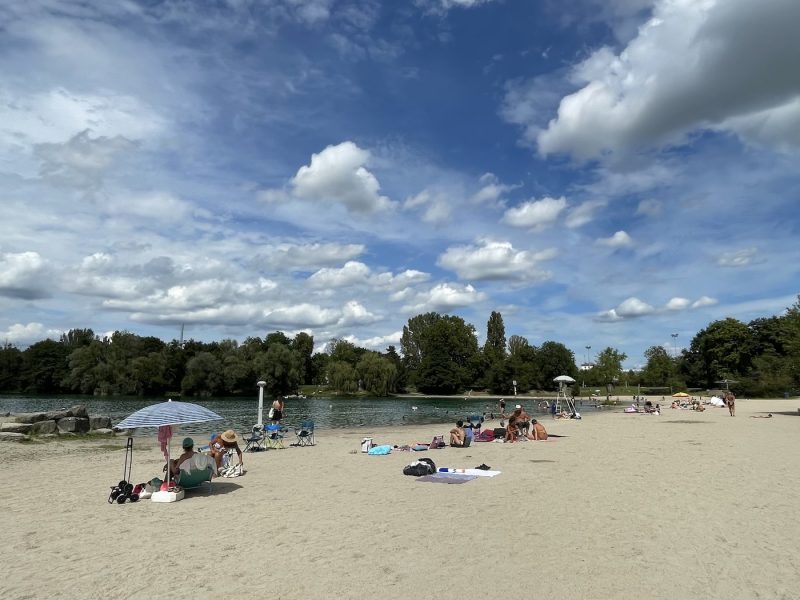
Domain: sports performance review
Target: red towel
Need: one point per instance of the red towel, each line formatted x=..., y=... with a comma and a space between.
x=164, y=435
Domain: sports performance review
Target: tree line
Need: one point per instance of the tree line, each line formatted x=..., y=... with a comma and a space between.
x=439, y=354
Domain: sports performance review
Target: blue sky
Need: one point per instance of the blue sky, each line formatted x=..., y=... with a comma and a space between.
x=602, y=172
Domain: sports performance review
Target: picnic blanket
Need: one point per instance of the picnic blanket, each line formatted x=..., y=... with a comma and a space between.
x=446, y=478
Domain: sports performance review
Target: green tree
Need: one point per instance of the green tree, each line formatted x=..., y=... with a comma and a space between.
x=280, y=368
x=523, y=363
x=554, y=359
x=44, y=367
x=414, y=334
x=392, y=355
x=377, y=374
x=10, y=366
x=660, y=368
x=446, y=348
x=303, y=345
x=495, y=346
x=342, y=376
x=608, y=367
x=723, y=350
x=204, y=376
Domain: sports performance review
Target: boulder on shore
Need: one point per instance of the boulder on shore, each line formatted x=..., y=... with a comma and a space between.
x=25, y=417
x=21, y=428
x=99, y=423
x=73, y=425
x=9, y=436
x=55, y=415
x=44, y=427
x=79, y=410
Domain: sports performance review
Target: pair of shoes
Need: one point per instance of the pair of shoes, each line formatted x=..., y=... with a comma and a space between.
x=483, y=467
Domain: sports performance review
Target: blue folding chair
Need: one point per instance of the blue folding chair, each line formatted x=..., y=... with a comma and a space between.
x=274, y=436
x=305, y=434
x=255, y=442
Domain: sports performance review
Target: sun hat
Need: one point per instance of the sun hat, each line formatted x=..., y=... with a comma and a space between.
x=519, y=406
x=187, y=443
x=229, y=436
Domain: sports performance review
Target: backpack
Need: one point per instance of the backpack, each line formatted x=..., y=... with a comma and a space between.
x=418, y=468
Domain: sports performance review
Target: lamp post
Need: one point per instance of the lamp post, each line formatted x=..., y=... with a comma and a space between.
x=586, y=365
x=261, y=385
x=675, y=345
x=514, y=383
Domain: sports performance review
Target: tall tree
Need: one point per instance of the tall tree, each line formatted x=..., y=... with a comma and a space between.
x=495, y=346
x=554, y=359
x=660, y=368
x=303, y=345
x=279, y=367
x=608, y=367
x=377, y=374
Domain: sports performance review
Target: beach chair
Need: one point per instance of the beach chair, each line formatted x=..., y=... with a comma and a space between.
x=195, y=471
x=274, y=436
x=475, y=423
x=305, y=434
x=255, y=442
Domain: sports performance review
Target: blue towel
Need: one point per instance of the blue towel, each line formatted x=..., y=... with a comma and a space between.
x=380, y=450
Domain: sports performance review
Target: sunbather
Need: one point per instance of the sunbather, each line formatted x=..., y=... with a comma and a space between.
x=457, y=434
x=188, y=452
x=538, y=432
x=222, y=443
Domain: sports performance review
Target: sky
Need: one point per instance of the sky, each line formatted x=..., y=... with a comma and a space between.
x=601, y=172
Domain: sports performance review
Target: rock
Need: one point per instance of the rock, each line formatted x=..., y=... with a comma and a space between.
x=55, y=415
x=44, y=427
x=99, y=422
x=79, y=411
x=8, y=436
x=21, y=428
x=102, y=431
x=24, y=418
x=73, y=425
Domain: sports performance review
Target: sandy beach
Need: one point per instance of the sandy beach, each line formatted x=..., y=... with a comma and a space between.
x=682, y=505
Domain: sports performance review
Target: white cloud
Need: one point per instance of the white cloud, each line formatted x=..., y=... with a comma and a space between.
x=704, y=301
x=442, y=6
x=354, y=313
x=289, y=256
x=583, y=214
x=738, y=258
x=694, y=65
x=352, y=273
x=619, y=240
x=492, y=191
x=535, y=214
x=649, y=208
x=677, y=303
x=339, y=174
x=378, y=342
x=445, y=296
x=435, y=206
x=495, y=260
x=24, y=335
x=25, y=275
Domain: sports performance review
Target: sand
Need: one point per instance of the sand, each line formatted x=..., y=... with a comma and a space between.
x=685, y=505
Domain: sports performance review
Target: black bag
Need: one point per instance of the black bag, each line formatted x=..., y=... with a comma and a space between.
x=424, y=466
x=499, y=433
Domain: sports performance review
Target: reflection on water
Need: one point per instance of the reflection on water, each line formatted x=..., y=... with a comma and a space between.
x=241, y=414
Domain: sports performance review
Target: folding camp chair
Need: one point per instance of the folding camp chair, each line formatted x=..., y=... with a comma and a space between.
x=475, y=423
x=305, y=434
x=274, y=436
x=255, y=442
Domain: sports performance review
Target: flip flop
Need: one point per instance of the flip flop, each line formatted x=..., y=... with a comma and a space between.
x=483, y=467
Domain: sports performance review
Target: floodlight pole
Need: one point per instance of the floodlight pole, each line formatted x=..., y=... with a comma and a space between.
x=674, y=345
x=261, y=385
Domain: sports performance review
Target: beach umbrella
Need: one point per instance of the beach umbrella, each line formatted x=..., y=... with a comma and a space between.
x=165, y=414
x=680, y=395
x=564, y=379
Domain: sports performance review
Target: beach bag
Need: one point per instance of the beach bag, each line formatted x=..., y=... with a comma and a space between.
x=499, y=432
x=419, y=468
x=271, y=413
x=366, y=444
x=485, y=436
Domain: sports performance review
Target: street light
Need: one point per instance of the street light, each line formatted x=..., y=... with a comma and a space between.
x=588, y=355
x=675, y=345
x=586, y=366
x=515, y=386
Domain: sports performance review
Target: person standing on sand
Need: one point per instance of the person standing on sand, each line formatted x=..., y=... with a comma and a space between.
x=730, y=400
x=276, y=414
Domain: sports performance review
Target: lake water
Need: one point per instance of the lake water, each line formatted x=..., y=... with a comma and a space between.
x=241, y=414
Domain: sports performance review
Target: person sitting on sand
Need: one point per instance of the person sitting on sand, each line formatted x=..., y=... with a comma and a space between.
x=221, y=444
x=769, y=416
x=512, y=429
x=457, y=434
x=188, y=452
x=522, y=419
x=563, y=415
x=538, y=432
x=674, y=404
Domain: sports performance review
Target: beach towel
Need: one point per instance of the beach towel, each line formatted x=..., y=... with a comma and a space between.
x=232, y=471
x=164, y=435
x=485, y=436
x=198, y=462
x=446, y=478
x=473, y=472
x=379, y=450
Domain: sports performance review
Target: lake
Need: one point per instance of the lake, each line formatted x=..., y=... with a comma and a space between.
x=326, y=412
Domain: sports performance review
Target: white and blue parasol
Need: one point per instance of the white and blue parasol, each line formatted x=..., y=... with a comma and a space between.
x=168, y=413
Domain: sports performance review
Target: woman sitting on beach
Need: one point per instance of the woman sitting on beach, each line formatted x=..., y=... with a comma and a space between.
x=457, y=434
x=512, y=430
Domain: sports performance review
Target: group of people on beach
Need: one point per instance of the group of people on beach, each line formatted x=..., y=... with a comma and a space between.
x=520, y=425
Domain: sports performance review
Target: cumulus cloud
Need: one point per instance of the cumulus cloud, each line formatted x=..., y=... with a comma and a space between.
x=738, y=258
x=378, y=342
x=535, y=214
x=583, y=213
x=352, y=273
x=435, y=206
x=292, y=256
x=339, y=174
x=442, y=6
x=496, y=260
x=492, y=191
x=24, y=335
x=445, y=296
x=649, y=208
x=25, y=275
x=619, y=240
x=729, y=66
x=633, y=308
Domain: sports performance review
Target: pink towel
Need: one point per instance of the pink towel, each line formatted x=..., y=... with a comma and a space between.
x=164, y=435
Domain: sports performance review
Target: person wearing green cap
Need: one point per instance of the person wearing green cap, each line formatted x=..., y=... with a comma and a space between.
x=188, y=452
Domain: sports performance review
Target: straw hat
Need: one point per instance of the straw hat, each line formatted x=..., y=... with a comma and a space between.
x=229, y=436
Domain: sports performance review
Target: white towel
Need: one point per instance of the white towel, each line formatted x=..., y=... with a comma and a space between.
x=198, y=462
